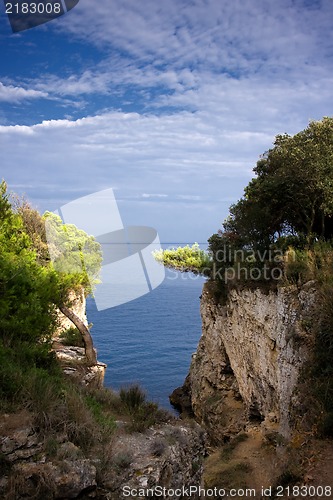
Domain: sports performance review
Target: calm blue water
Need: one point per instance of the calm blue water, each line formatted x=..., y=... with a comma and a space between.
x=150, y=340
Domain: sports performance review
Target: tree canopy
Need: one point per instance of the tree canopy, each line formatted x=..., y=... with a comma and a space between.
x=32, y=285
x=292, y=192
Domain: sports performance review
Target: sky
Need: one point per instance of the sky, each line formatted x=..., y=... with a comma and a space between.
x=168, y=102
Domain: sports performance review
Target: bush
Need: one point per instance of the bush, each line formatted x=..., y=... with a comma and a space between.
x=122, y=460
x=133, y=397
x=72, y=337
x=158, y=447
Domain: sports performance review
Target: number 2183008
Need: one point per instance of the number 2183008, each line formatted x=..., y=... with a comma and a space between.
x=33, y=8
x=304, y=491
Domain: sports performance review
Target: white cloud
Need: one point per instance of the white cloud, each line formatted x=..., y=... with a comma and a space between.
x=88, y=82
x=10, y=93
x=189, y=197
x=237, y=36
x=154, y=195
x=183, y=46
x=171, y=159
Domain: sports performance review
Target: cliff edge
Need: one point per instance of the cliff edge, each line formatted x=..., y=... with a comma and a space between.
x=250, y=357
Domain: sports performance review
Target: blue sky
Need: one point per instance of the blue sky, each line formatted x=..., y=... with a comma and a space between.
x=168, y=102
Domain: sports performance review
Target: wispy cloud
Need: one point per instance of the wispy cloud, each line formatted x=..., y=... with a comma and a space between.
x=149, y=157
x=89, y=82
x=10, y=93
x=183, y=47
x=154, y=195
x=234, y=36
x=189, y=197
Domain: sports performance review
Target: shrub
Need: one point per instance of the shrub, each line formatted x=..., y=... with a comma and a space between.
x=133, y=397
x=72, y=337
x=106, y=421
x=122, y=460
x=158, y=447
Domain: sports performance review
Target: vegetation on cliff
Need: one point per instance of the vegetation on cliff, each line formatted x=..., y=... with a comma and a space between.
x=281, y=233
x=32, y=288
x=185, y=259
x=33, y=285
x=58, y=424
x=286, y=207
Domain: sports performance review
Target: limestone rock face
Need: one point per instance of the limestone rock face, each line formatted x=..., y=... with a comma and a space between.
x=249, y=357
x=72, y=360
x=78, y=306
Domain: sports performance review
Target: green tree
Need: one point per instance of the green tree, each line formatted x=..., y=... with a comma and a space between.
x=32, y=285
x=292, y=192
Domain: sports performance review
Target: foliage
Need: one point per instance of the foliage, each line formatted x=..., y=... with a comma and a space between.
x=289, y=202
x=143, y=413
x=188, y=258
x=31, y=288
x=5, y=206
x=34, y=227
x=32, y=384
x=26, y=288
x=133, y=397
x=292, y=192
x=76, y=256
x=72, y=337
x=106, y=421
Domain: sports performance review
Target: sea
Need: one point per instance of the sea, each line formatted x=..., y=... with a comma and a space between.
x=150, y=340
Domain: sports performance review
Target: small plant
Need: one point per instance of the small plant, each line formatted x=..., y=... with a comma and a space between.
x=196, y=465
x=83, y=429
x=51, y=446
x=106, y=421
x=145, y=416
x=175, y=435
x=288, y=477
x=108, y=399
x=133, y=397
x=158, y=447
x=122, y=460
x=72, y=337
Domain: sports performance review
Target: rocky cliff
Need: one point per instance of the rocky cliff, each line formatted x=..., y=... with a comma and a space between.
x=249, y=359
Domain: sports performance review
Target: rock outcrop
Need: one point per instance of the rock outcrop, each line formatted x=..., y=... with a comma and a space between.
x=167, y=456
x=249, y=359
x=78, y=306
